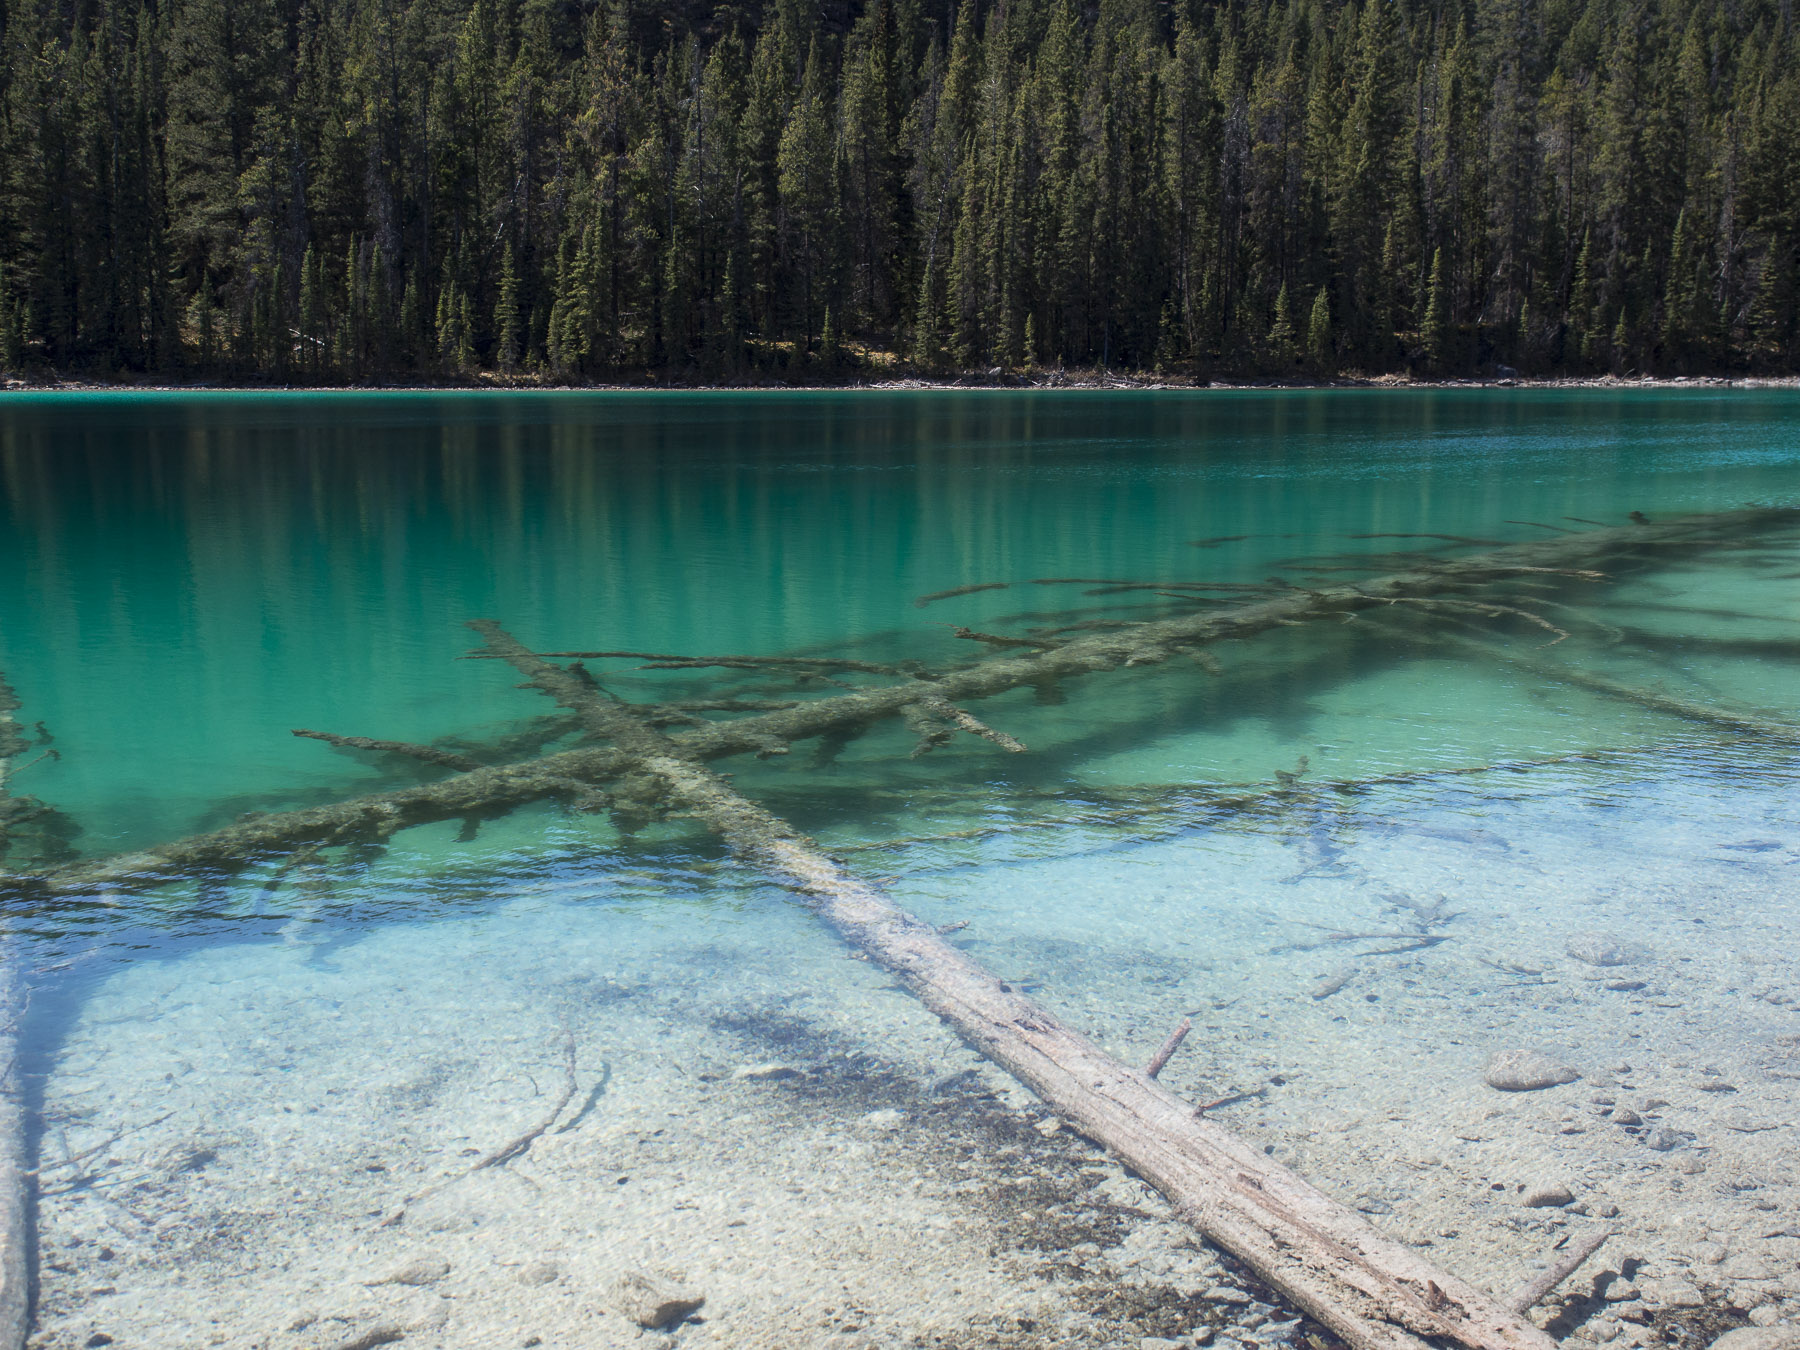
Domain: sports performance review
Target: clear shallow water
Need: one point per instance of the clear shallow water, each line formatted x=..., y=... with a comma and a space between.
x=195, y=576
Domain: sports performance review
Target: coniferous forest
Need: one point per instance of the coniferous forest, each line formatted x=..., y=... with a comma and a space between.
x=349, y=190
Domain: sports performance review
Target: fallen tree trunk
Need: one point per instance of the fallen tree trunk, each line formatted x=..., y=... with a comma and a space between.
x=1374, y=1292
x=574, y=774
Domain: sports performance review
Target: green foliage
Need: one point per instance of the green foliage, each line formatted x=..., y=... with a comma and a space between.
x=343, y=190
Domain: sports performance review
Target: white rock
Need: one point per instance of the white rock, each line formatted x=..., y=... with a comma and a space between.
x=652, y=1302
x=764, y=1072
x=414, y=1273
x=1760, y=1338
x=1598, y=949
x=1525, y=1071
x=1548, y=1195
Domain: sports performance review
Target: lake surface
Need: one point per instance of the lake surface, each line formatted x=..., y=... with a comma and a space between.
x=1528, y=777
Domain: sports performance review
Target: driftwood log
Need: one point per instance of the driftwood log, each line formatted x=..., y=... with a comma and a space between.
x=932, y=701
x=1374, y=1292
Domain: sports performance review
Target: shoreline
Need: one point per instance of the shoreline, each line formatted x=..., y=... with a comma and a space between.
x=1054, y=382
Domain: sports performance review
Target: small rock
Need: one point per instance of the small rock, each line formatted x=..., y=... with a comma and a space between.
x=1690, y=1165
x=1624, y=1115
x=382, y=1333
x=765, y=1072
x=1548, y=1195
x=1048, y=1126
x=1766, y=1315
x=1597, y=949
x=1759, y=1338
x=885, y=1119
x=1085, y=1251
x=1621, y=1291
x=1683, y=1296
x=414, y=1273
x=1157, y=1343
x=1662, y=1139
x=1606, y=1209
x=534, y=1273
x=1525, y=1071
x=653, y=1303
x=1224, y=1293
x=1200, y=1336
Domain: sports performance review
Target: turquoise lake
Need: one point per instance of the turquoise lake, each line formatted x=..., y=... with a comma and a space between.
x=1517, y=770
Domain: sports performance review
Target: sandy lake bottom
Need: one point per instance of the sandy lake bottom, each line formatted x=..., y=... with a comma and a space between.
x=786, y=1130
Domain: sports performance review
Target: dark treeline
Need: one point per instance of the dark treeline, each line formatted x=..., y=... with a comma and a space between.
x=799, y=189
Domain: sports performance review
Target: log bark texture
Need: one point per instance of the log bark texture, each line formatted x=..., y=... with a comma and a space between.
x=1374, y=1292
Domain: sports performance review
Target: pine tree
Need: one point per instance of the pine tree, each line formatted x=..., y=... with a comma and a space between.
x=1319, y=343
x=508, y=325
x=1436, y=329
x=1284, y=345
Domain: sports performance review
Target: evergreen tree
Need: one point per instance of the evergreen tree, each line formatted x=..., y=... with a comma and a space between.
x=266, y=189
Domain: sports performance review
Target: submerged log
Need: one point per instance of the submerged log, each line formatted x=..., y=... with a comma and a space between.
x=838, y=719
x=443, y=759
x=1374, y=1292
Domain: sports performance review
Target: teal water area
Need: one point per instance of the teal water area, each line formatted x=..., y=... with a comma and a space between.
x=193, y=576
x=1359, y=853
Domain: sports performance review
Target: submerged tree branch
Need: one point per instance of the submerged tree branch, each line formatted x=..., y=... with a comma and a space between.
x=575, y=774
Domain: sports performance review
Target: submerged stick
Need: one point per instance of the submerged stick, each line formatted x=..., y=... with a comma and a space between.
x=1169, y=1047
x=442, y=758
x=1555, y=1273
x=511, y=1149
x=1326, y=1258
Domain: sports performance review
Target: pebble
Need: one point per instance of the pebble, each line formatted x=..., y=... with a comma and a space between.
x=1048, y=1126
x=1597, y=949
x=1606, y=1209
x=1765, y=1316
x=1224, y=1293
x=888, y=1118
x=1158, y=1343
x=413, y=1273
x=1525, y=1071
x=1548, y=1195
x=1624, y=1115
x=1662, y=1139
x=382, y=1333
x=654, y=1303
x=1201, y=1336
x=534, y=1273
x=1621, y=1291
x=1759, y=1338
x=764, y=1072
